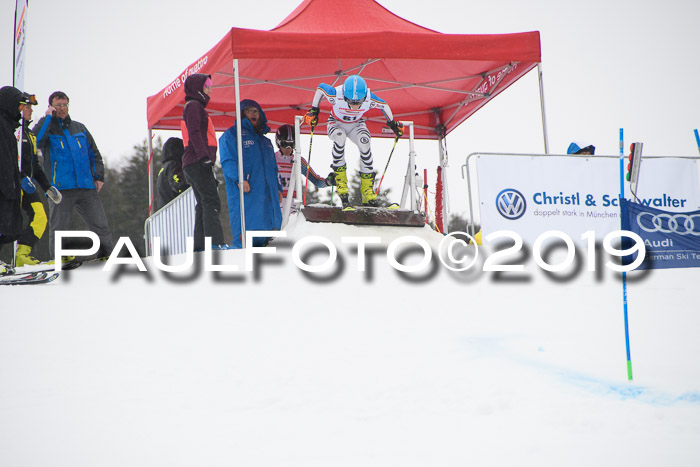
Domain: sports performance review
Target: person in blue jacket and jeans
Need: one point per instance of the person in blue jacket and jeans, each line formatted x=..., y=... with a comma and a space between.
x=74, y=166
x=261, y=187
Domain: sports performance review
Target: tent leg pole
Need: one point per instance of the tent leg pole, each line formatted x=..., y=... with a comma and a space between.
x=149, y=169
x=239, y=148
x=544, y=117
x=443, y=164
x=151, y=192
x=409, y=184
x=406, y=185
x=298, y=187
x=412, y=167
x=472, y=226
x=296, y=173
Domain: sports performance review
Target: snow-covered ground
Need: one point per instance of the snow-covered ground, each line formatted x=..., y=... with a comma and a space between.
x=276, y=368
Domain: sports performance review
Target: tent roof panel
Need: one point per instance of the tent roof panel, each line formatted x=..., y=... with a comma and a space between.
x=364, y=15
x=423, y=75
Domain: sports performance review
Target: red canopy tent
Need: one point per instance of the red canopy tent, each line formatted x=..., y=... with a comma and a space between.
x=430, y=78
x=435, y=80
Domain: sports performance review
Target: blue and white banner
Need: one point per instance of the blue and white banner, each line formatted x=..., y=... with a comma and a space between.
x=534, y=194
x=672, y=239
x=19, y=43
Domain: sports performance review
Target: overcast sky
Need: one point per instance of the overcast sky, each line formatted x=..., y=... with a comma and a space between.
x=607, y=64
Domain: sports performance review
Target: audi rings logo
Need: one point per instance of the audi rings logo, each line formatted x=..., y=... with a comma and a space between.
x=511, y=204
x=680, y=224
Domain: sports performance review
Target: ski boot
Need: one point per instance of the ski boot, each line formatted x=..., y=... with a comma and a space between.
x=369, y=197
x=24, y=257
x=341, y=184
x=6, y=269
x=65, y=262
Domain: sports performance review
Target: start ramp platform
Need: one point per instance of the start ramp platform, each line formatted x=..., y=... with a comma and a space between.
x=363, y=215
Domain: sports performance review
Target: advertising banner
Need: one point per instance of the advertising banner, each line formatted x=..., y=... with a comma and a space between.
x=671, y=239
x=19, y=43
x=533, y=194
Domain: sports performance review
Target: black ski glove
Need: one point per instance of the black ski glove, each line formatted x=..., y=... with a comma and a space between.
x=396, y=127
x=311, y=117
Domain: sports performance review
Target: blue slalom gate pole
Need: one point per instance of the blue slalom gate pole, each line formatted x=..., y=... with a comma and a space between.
x=624, y=274
x=697, y=139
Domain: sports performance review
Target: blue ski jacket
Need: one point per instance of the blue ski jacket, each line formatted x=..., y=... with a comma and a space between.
x=71, y=157
x=262, y=208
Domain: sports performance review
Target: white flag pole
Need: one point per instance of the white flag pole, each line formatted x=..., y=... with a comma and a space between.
x=19, y=48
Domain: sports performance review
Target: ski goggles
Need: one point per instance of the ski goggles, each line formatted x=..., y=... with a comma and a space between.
x=28, y=99
x=286, y=144
x=354, y=101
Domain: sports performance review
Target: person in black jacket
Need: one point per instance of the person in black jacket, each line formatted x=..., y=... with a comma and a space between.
x=12, y=101
x=171, y=181
x=32, y=175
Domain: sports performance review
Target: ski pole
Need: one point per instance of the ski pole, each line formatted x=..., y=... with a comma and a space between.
x=396, y=140
x=697, y=139
x=311, y=142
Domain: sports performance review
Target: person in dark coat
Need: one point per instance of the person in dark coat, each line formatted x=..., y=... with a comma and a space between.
x=261, y=187
x=11, y=103
x=33, y=176
x=171, y=180
x=199, y=138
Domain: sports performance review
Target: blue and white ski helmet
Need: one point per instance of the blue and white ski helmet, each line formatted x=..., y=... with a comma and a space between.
x=577, y=147
x=355, y=90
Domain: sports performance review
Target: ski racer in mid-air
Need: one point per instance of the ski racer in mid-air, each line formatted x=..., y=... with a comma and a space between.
x=349, y=103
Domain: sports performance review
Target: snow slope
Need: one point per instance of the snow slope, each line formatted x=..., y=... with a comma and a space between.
x=275, y=368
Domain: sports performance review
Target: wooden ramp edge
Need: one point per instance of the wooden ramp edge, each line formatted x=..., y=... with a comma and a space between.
x=363, y=216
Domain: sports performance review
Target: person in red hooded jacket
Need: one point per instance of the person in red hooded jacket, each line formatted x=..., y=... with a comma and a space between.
x=199, y=138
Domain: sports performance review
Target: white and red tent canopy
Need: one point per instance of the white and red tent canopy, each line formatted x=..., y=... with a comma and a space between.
x=435, y=80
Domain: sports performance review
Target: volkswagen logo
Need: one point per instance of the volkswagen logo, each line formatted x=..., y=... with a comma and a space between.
x=511, y=204
x=680, y=224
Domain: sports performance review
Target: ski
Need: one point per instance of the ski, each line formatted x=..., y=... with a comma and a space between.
x=51, y=267
x=47, y=267
x=45, y=280
x=21, y=276
x=28, y=278
x=80, y=262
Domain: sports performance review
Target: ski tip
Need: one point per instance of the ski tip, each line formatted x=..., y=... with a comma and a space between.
x=29, y=278
x=52, y=277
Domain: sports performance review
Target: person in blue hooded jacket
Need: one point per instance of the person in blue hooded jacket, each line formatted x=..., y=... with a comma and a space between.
x=261, y=187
